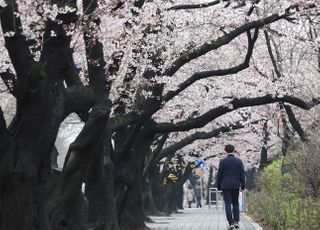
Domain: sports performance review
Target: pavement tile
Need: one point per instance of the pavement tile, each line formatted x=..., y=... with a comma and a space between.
x=197, y=219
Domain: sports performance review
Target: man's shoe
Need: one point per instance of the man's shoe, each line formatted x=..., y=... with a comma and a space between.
x=236, y=225
x=231, y=227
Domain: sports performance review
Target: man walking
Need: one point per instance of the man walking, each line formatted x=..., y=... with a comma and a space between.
x=230, y=179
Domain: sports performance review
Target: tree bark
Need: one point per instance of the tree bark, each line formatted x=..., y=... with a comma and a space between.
x=28, y=166
x=264, y=150
x=100, y=190
x=130, y=184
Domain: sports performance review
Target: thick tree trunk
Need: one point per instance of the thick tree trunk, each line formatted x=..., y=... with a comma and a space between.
x=54, y=157
x=173, y=197
x=130, y=184
x=69, y=209
x=100, y=191
x=21, y=195
x=155, y=186
x=180, y=196
x=111, y=217
x=95, y=191
x=26, y=168
x=172, y=192
x=148, y=200
x=132, y=213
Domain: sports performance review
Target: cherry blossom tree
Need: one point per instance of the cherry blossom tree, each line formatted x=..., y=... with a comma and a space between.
x=160, y=60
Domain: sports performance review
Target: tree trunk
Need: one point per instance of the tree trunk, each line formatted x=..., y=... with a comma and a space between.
x=69, y=209
x=169, y=198
x=111, y=217
x=132, y=213
x=263, y=158
x=180, y=196
x=264, y=151
x=26, y=167
x=95, y=191
x=148, y=200
x=210, y=181
x=129, y=185
x=155, y=186
x=100, y=191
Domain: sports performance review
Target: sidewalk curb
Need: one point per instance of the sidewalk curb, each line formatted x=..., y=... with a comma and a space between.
x=257, y=226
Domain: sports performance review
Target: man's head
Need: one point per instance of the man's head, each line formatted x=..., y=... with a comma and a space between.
x=229, y=148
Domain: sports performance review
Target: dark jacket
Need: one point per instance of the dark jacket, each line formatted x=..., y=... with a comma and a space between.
x=231, y=173
x=197, y=191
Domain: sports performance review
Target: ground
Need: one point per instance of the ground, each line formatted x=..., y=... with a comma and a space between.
x=199, y=219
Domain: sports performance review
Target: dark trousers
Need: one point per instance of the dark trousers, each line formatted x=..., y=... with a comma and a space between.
x=231, y=197
x=199, y=201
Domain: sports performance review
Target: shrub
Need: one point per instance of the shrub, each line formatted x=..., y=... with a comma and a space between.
x=279, y=201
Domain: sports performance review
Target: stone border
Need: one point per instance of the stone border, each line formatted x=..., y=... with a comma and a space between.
x=257, y=226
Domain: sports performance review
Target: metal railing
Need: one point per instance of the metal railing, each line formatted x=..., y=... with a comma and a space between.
x=216, y=199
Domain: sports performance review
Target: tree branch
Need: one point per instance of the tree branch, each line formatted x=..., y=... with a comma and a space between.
x=3, y=126
x=292, y=118
x=4, y=140
x=139, y=3
x=79, y=99
x=212, y=114
x=211, y=156
x=9, y=80
x=195, y=6
x=208, y=4
x=15, y=41
x=94, y=52
x=221, y=41
x=71, y=73
x=153, y=156
x=122, y=121
x=273, y=60
x=95, y=59
x=139, y=123
x=220, y=72
x=252, y=7
x=56, y=51
x=199, y=136
x=295, y=123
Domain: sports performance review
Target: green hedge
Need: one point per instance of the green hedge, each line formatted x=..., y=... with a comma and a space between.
x=277, y=201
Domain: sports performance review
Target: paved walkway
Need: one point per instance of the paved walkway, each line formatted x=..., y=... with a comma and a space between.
x=198, y=219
